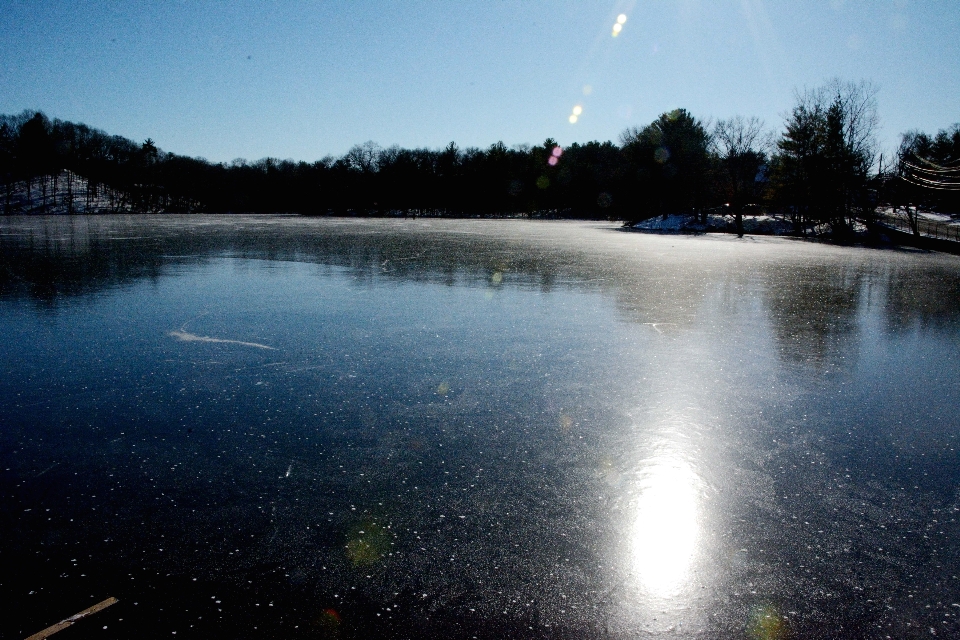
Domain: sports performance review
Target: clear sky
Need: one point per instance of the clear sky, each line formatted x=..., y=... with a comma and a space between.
x=304, y=80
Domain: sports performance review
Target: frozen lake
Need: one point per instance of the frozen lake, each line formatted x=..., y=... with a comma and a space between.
x=273, y=427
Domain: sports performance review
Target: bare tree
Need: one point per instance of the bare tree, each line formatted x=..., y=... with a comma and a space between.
x=826, y=154
x=365, y=157
x=740, y=146
x=860, y=106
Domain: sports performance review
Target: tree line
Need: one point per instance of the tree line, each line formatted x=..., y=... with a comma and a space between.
x=822, y=169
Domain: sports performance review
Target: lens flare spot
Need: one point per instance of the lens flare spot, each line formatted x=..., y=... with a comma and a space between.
x=443, y=389
x=497, y=277
x=552, y=161
x=332, y=614
x=566, y=423
x=577, y=110
x=661, y=155
x=367, y=543
x=543, y=182
x=622, y=18
x=557, y=152
x=587, y=89
x=609, y=472
x=329, y=621
x=617, y=28
x=362, y=552
x=766, y=623
x=572, y=119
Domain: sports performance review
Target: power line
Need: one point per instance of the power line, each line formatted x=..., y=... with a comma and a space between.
x=931, y=172
x=937, y=167
x=930, y=184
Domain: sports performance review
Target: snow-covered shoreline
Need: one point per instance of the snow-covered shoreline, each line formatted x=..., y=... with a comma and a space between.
x=767, y=224
x=771, y=224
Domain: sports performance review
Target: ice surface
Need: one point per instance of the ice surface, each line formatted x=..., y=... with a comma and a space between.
x=500, y=429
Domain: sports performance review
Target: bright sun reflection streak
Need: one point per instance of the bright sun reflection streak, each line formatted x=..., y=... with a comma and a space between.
x=667, y=529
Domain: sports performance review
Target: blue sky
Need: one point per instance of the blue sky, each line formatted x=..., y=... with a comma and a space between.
x=304, y=80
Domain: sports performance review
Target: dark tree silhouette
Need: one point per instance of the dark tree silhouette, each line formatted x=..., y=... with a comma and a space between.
x=669, y=165
x=675, y=164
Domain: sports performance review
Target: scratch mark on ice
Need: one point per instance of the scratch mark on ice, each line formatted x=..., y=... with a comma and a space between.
x=47, y=469
x=657, y=325
x=186, y=336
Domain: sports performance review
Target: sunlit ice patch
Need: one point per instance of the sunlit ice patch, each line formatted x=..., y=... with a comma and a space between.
x=666, y=531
